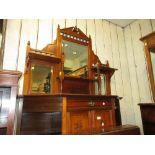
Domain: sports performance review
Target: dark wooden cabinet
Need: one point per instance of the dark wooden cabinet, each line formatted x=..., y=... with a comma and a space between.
x=8, y=93
x=148, y=117
x=39, y=115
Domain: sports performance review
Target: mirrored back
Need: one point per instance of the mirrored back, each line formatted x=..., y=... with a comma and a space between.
x=75, y=59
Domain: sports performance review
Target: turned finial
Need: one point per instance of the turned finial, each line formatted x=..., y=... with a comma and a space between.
x=28, y=43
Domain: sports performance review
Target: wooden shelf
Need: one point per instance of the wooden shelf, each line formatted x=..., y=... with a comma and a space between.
x=44, y=57
x=104, y=69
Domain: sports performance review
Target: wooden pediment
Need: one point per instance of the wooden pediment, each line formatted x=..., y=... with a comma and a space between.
x=74, y=33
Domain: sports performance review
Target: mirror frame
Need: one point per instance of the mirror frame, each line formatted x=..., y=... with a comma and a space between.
x=75, y=35
x=149, y=42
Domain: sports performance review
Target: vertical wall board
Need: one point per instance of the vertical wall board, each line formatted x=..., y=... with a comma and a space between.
x=28, y=33
x=44, y=33
x=153, y=24
x=116, y=59
x=140, y=63
x=70, y=22
x=108, y=51
x=81, y=24
x=12, y=38
x=133, y=75
x=57, y=22
x=99, y=40
x=91, y=32
x=145, y=26
x=107, y=42
x=128, y=106
x=118, y=74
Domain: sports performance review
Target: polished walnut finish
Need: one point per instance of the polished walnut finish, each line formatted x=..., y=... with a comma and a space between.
x=8, y=92
x=148, y=117
x=53, y=55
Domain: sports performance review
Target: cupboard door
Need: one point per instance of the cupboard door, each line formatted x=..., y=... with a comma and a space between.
x=102, y=119
x=79, y=122
x=4, y=108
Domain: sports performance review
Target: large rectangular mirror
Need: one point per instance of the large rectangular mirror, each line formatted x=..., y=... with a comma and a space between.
x=75, y=59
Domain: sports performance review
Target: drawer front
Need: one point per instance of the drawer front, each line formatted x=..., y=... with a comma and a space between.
x=88, y=104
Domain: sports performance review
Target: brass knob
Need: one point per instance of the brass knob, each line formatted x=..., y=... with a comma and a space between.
x=91, y=104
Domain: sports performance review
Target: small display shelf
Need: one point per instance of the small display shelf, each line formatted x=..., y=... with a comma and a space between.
x=104, y=69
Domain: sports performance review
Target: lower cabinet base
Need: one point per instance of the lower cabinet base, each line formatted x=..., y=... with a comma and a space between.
x=122, y=130
x=70, y=115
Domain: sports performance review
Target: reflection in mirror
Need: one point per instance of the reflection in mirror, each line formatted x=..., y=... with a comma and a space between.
x=41, y=77
x=75, y=59
x=103, y=84
x=100, y=87
x=152, y=53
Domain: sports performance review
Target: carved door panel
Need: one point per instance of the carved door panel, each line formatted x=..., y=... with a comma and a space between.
x=79, y=122
x=102, y=119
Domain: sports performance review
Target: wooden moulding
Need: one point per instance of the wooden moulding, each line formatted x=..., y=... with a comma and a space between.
x=43, y=57
x=149, y=43
x=9, y=78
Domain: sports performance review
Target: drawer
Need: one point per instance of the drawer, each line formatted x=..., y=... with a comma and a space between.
x=88, y=104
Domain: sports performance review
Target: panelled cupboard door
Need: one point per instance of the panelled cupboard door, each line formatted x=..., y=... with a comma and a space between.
x=101, y=119
x=79, y=122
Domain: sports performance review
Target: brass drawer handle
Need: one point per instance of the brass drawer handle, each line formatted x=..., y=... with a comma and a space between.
x=91, y=104
x=103, y=103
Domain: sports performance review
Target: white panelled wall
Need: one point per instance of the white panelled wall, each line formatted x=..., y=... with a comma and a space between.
x=120, y=46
